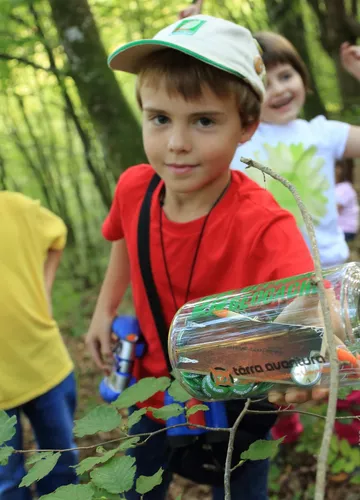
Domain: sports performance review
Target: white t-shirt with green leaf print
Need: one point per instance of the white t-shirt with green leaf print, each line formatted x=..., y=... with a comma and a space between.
x=304, y=153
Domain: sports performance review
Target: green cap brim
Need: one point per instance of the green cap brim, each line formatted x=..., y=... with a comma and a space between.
x=128, y=57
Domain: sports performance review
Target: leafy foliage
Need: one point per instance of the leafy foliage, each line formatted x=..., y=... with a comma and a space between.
x=116, y=476
x=5, y=452
x=141, y=391
x=135, y=417
x=262, y=449
x=71, y=491
x=102, y=418
x=7, y=426
x=168, y=411
x=144, y=484
x=90, y=462
x=41, y=468
x=177, y=392
x=195, y=409
x=129, y=443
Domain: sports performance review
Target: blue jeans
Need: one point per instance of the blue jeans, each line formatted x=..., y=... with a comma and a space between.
x=51, y=416
x=250, y=484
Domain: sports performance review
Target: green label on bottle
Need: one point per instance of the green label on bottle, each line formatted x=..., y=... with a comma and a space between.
x=257, y=295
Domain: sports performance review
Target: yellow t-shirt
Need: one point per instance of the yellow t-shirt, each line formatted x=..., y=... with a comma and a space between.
x=33, y=357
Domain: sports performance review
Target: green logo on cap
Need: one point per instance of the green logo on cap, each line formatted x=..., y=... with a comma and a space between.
x=188, y=27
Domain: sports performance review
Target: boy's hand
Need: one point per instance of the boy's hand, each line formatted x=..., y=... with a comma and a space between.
x=294, y=395
x=98, y=341
x=350, y=58
x=192, y=10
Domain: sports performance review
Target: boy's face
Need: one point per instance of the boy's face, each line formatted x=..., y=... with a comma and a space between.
x=285, y=95
x=191, y=143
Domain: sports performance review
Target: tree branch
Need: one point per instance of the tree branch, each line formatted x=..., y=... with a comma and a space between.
x=334, y=367
x=353, y=26
x=230, y=450
x=23, y=60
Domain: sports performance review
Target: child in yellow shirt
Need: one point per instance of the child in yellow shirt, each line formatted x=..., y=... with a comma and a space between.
x=36, y=371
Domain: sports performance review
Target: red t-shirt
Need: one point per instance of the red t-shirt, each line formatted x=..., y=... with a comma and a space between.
x=248, y=239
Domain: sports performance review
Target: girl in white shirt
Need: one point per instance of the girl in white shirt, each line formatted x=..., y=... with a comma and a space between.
x=304, y=152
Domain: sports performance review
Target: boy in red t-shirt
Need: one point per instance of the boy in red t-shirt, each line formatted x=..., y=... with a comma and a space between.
x=200, y=87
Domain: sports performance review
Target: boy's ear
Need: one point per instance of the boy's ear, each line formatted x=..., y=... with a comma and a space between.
x=248, y=132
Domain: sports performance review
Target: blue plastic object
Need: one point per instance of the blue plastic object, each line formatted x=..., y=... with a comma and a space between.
x=130, y=346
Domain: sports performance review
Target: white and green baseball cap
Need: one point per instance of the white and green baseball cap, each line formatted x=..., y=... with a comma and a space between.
x=214, y=41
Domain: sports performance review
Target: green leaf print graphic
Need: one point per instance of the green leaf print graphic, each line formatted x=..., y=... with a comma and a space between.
x=303, y=169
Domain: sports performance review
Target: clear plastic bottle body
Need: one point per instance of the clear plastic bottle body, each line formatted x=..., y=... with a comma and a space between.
x=270, y=336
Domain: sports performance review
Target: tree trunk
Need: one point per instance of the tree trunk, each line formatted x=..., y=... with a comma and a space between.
x=111, y=115
x=288, y=20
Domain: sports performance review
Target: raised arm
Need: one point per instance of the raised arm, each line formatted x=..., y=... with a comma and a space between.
x=350, y=58
x=192, y=10
x=117, y=279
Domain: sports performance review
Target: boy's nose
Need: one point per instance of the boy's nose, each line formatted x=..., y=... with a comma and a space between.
x=179, y=141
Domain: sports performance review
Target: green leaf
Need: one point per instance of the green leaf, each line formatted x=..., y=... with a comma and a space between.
x=355, y=479
x=349, y=467
x=196, y=408
x=90, y=462
x=141, y=391
x=345, y=447
x=7, y=427
x=116, y=476
x=334, y=444
x=100, y=494
x=129, y=443
x=177, y=392
x=102, y=418
x=71, y=491
x=5, y=452
x=338, y=466
x=168, y=411
x=36, y=457
x=355, y=455
x=332, y=457
x=144, y=484
x=343, y=392
x=262, y=449
x=135, y=417
x=41, y=468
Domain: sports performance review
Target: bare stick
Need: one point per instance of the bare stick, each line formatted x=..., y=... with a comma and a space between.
x=230, y=450
x=334, y=367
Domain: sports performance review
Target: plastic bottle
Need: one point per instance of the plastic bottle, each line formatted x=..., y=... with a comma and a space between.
x=244, y=343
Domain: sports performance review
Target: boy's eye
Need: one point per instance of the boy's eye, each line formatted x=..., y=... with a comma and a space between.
x=205, y=122
x=160, y=119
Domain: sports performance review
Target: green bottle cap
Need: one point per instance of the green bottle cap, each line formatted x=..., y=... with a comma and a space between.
x=214, y=391
x=243, y=389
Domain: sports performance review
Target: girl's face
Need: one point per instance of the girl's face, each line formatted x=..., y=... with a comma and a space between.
x=285, y=95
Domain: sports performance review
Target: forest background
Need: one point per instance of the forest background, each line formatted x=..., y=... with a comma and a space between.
x=69, y=126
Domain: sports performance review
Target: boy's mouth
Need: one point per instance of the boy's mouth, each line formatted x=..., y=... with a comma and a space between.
x=282, y=102
x=180, y=168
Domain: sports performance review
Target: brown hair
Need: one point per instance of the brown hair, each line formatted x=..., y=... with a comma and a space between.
x=278, y=50
x=186, y=75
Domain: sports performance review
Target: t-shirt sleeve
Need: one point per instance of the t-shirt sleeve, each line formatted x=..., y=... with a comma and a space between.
x=334, y=134
x=112, y=228
x=282, y=251
x=51, y=227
